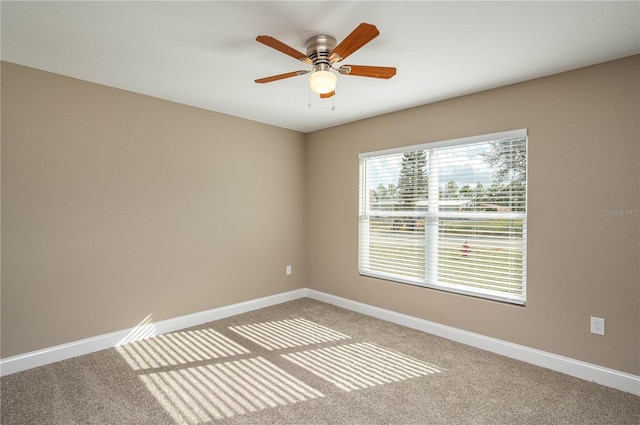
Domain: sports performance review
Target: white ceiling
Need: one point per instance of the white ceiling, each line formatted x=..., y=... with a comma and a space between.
x=204, y=53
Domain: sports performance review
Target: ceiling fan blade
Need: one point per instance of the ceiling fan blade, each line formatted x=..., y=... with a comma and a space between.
x=326, y=95
x=281, y=76
x=368, y=71
x=360, y=36
x=281, y=47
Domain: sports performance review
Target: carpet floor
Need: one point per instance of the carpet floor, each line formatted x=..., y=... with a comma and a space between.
x=304, y=362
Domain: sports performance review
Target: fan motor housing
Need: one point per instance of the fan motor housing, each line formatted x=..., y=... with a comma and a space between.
x=318, y=49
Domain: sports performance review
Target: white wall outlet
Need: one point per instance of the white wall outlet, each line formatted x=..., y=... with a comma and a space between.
x=288, y=270
x=597, y=325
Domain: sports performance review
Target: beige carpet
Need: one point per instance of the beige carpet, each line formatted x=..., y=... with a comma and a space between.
x=304, y=362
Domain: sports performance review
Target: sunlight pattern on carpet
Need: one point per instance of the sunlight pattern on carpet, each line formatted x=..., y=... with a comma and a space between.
x=360, y=365
x=179, y=348
x=288, y=333
x=197, y=395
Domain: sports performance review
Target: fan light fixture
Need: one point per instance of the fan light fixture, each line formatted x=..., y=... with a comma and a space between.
x=322, y=82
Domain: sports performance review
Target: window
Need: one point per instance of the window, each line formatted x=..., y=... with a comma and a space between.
x=448, y=215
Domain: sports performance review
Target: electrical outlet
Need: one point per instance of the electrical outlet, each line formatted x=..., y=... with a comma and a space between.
x=288, y=270
x=597, y=325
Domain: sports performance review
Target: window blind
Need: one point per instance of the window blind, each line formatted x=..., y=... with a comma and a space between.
x=448, y=215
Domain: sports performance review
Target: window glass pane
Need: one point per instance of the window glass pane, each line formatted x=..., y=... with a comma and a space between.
x=448, y=215
x=397, y=246
x=483, y=253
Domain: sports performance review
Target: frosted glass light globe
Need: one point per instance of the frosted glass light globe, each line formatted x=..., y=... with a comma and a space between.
x=322, y=82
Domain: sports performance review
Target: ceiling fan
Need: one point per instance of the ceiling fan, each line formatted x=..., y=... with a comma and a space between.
x=323, y=52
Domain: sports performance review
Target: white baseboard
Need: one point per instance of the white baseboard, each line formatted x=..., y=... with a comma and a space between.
x=579, y=369
x=57, y=353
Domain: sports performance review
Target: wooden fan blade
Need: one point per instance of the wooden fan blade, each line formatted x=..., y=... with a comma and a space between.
x=360, y=36
x=280, y=76
x=326, y=95
x=368, y=71
x=281, y=47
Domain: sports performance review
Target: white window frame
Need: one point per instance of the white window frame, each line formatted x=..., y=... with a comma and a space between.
x=431, y=221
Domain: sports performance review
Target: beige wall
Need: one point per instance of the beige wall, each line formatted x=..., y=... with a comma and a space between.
x=117, y=205
x=584, y=159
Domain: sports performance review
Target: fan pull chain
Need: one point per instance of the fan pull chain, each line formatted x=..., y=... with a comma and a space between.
x=333, y=101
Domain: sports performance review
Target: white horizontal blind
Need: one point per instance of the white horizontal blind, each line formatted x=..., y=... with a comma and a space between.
x=449, y=215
